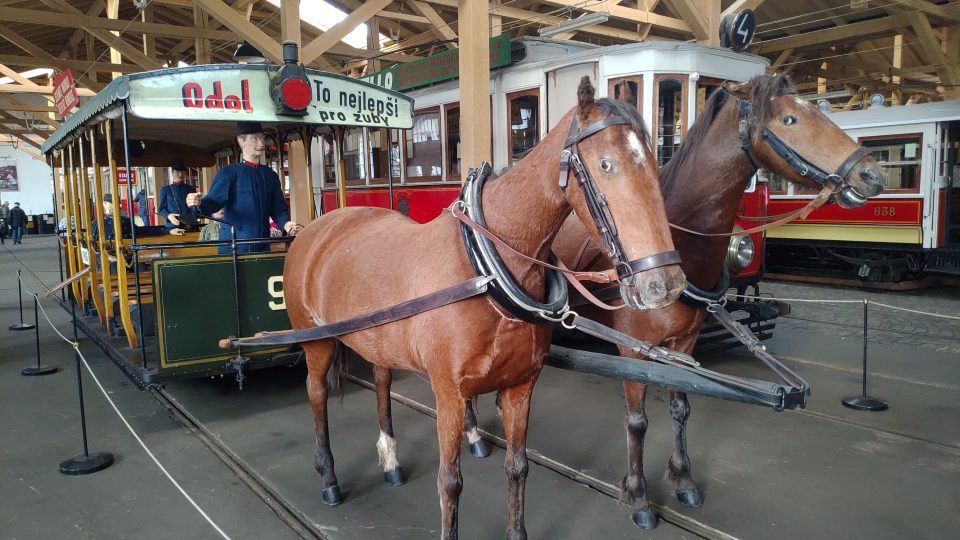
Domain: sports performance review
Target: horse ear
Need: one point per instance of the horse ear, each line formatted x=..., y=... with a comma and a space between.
x=585, y=93
x=735, y=89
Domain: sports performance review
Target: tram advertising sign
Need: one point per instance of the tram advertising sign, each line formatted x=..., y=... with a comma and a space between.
x=237, y=94
x=65, y=93
x=438, y=67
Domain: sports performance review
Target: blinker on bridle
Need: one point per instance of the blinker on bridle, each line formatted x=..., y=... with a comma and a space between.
x=597, y=204
x=835, y=182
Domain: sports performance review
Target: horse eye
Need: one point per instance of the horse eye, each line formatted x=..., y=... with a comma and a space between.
x=788, y=120
x=606, y=165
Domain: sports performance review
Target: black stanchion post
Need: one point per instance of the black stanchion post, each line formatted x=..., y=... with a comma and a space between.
x=38, y=369
x=20, y=325
x=864, y=402
x=86, y=463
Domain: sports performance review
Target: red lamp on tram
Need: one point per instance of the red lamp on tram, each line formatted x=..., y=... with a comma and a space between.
x=291, y=88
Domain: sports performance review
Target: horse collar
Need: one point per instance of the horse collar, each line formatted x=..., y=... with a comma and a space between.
x=487, y=262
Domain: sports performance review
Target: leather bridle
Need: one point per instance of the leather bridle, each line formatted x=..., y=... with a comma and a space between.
x=570, y=158
x=835, y=182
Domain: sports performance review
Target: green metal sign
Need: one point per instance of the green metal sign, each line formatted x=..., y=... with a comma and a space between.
x=196, y=307
x=439, y=67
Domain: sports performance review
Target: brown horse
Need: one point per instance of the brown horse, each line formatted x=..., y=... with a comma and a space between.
x=358, y=260
x=703, y=184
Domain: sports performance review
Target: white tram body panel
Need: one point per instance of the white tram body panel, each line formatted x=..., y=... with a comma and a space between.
x=550, y=70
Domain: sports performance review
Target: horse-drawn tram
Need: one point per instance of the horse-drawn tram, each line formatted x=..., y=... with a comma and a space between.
x=170, y=296
x=469, y=297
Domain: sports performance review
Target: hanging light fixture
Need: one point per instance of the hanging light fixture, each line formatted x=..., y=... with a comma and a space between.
x=249, y=54
x=589, y=19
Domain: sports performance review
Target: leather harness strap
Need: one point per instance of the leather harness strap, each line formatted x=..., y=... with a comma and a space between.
x=434, y=300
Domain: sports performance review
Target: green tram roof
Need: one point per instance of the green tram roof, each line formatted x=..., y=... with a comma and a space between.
x=160, y=102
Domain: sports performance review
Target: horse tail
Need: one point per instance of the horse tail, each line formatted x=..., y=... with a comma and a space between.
x=339, y=366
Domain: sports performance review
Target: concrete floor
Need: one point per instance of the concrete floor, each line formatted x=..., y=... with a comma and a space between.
x=824, y=472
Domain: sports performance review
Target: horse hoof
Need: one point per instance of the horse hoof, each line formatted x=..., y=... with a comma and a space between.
x=480, y=449
x=394, y=477
x=331, y=495
x=645, y=519
x=690, y=497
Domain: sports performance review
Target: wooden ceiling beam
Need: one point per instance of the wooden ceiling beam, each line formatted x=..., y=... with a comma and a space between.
x=510, y=12
x=855, y=30
x=930, y=47
x=22, y=89
x=60, y=64
x=10, y=103
x=311, y=51
x=48, y=18
x=438, y=25
x=246, y=29
x=692, y=13
x=95, y=9
x=625, y=13
x=741, y=5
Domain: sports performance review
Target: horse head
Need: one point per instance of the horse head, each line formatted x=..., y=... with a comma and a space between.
x=617, y=184
x=775, y=123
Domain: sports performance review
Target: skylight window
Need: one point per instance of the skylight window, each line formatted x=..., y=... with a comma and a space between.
x=324, y=16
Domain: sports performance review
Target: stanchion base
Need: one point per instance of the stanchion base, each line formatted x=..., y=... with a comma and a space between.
x=96, y=461
x=864, y=403
x=33, y=371
x=22, y=326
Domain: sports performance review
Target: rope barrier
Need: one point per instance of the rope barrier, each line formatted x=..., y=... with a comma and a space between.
x=76, y=347
x=816, y=301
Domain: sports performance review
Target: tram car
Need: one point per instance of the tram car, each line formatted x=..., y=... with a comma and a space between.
x=913, y=227
x=419, y=172
x=159, y=302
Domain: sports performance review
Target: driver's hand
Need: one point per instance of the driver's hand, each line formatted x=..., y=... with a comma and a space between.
x=177, y=232
x=174, y=218
x=193, y=199
x=292, y=228
x=111, y=258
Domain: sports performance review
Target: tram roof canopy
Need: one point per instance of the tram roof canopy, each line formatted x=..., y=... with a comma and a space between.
x=917, y=113
x=212, y=98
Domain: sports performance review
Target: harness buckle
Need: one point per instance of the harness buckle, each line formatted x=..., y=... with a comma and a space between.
x=564, y=168
x=834, y=182
x=623, y=271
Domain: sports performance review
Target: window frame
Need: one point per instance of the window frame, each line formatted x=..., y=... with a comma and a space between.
x=407, y=179
x=509, y=126
x=638, y=79
x=919, y=160
x=684, y=81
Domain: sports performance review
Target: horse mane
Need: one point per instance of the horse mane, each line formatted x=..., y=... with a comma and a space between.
x=761, y=89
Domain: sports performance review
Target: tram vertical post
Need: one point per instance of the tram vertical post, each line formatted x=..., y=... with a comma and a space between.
x=87, y=463
x=133, y=241
x=39, y=369
x=20, y=325
x=864, y=402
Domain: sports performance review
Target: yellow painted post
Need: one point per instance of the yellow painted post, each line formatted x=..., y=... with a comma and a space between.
x=123, y=281
x=88, y=220
x=105, y=274
x=66, y=162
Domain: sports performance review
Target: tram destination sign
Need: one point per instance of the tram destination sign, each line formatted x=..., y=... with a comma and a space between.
x=244, y=95
x=437, y=68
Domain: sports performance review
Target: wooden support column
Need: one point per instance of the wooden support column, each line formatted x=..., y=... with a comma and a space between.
x=290, y=23
x=113, y=12
x=373, y=44
x=953, y=58
x=474, y=26
x=299, y=186
x=149, y=40
x=204, y=54
x=496, y=21
x=895, y=97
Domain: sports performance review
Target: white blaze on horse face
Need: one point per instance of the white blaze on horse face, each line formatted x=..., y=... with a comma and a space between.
x=633, y=142
x=387, y=452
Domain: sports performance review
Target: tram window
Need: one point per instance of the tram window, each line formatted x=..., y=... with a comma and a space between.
x=329, y=161
x=353, y=156
x=423, y=148
x=453, y=143
x=670, y=113
x=524, y=124
x=900, y=156
x=779, y=185
x=626, y=91
x=379, y=155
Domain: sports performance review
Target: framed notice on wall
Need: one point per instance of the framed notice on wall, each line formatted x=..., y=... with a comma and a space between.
x=8, y=178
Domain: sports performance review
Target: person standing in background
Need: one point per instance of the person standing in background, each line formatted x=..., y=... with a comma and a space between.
x=173, y=197
x=18, y=223
x=4, y=219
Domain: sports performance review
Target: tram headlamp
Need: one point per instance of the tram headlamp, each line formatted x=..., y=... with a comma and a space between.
x=740, y=252
x=291, y=88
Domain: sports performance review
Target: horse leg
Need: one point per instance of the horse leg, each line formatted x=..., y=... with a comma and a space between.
x=515, y=402
x=450, y=413
x=679, y=469
x=319, y=357
x=633, y=488
x=478, y=446
x=386, y=444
